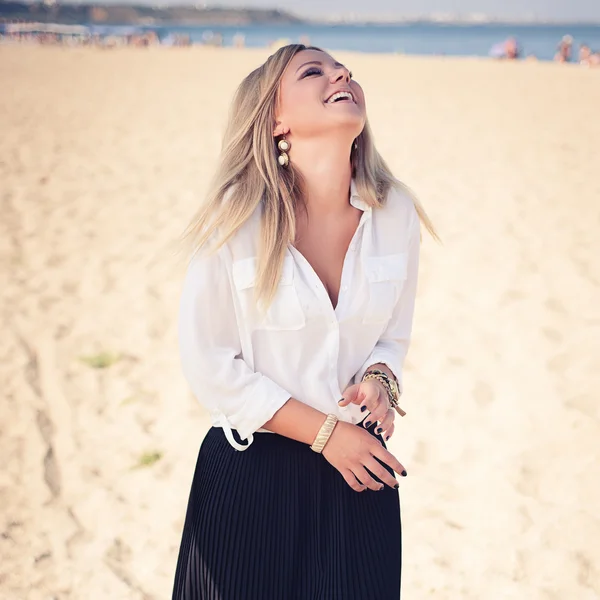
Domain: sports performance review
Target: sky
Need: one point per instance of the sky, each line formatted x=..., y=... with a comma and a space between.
x=566, y=10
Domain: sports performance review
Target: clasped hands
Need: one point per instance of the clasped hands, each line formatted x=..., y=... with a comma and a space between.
x=360, y=458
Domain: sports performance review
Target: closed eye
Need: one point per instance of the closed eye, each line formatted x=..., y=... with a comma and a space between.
x=312, y=71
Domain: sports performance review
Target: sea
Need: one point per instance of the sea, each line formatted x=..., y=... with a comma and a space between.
x=411, y=38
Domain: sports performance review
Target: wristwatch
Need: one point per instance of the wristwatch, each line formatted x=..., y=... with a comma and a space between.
x=390, y=385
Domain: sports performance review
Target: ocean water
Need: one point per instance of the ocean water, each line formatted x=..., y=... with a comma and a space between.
x=413, y=38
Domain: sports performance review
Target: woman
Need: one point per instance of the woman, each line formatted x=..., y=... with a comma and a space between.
x=295, y=319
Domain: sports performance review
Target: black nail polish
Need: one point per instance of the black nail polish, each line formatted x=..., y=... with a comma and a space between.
x=387, y=437
x=404, y=473
x=378, y=430
x=396, y=486
x=341, y=400
x=368, y=424
x=363, y=408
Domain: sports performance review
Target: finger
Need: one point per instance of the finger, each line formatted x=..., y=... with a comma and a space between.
x=389, y=432
x=352, y=481
x=352, y=395
x=380, y=472
x=380, y=412
x=377, y=414
x=363, y=476
x=377, y=403
x=386, y=457
x=386, y=422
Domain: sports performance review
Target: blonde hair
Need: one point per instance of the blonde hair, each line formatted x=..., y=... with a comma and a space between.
x=248, y=175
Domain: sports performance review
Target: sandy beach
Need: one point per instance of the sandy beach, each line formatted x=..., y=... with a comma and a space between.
x=103, y=158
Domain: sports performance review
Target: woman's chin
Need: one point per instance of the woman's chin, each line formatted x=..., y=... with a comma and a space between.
x=352, y=120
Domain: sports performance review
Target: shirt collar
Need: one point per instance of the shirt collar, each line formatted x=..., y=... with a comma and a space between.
x=356, y=200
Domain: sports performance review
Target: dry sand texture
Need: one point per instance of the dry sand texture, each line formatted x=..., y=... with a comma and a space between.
x=103, y=156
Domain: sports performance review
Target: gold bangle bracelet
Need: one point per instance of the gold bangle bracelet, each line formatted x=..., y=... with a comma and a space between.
x=324, y=433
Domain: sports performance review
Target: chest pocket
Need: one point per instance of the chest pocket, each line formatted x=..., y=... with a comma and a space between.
x=285, y=311
x=386, y=276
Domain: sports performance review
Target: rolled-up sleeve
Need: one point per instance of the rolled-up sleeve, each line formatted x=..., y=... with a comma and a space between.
x=392, y=346
x=210, y=350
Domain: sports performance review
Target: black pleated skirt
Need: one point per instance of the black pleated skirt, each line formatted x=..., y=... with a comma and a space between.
x=278, y=522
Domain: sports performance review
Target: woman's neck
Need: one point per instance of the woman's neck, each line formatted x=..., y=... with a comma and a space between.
x=326, y=170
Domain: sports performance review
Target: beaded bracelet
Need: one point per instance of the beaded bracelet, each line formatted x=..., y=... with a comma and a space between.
x=392, y=390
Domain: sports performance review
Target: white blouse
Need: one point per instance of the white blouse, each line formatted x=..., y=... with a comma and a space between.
x=243, y=366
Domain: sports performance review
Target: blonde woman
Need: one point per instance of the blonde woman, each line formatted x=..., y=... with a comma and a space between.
x=295, y=319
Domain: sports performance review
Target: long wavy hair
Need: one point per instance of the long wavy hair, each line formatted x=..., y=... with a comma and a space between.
x=248, y=175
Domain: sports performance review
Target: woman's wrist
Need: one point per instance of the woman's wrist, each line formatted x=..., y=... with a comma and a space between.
x=383, y=391
x=324, y=434
x=390, y=384
x=297, y=420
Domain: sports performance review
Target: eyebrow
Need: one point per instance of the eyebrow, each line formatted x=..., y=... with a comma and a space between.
x=318, y=62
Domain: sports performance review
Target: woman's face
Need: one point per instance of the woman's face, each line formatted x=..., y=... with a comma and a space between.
x=317, y=95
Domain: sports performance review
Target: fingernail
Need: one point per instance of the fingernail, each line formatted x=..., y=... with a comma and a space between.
x=368, y=424
x=378, y=430
x=363, y=408
x=380, y=489
x=341, y=400
x=404, y=473
x=387, y=437
x=396, y=486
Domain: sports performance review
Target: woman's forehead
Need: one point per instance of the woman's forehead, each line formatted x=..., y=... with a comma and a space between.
x=309, y=55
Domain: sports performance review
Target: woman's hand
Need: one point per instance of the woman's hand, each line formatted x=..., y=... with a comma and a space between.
x=352, y=450
x=371, y=396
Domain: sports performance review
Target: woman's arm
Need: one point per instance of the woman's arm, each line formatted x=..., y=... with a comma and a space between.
x=212, y=362
x=211, y=354
x=391, y=348
x=351, y=450
x=297, y=421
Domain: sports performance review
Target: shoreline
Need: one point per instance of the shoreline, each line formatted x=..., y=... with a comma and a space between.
x=266, y=50
x=499, y=42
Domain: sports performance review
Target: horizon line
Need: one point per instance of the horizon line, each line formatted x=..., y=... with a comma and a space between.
x=348, y=19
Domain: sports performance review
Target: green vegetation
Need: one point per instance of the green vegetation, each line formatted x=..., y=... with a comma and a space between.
x=148, y=459
x=103, y=360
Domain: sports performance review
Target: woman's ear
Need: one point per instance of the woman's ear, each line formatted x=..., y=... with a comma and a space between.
x=280, y=129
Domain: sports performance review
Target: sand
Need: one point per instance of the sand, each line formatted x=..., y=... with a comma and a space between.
x=103, y=157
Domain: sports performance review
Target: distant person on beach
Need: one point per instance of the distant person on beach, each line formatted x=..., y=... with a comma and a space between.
x=239, y=40
x=295, y=318
x=508, y=49
x=565, y=50
x=587, y=58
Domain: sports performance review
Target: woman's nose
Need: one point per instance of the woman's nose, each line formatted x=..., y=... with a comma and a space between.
x=340, y=73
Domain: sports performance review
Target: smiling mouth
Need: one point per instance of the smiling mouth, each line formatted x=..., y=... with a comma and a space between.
x=340, y=97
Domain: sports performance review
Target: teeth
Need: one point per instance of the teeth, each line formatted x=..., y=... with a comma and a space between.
x=339, y=95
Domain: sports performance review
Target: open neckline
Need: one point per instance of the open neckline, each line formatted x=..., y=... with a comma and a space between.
x=320, y=286
x=357, y=202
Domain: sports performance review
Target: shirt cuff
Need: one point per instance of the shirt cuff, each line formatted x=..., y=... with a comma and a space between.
x=387, y=357
x=261, y=401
